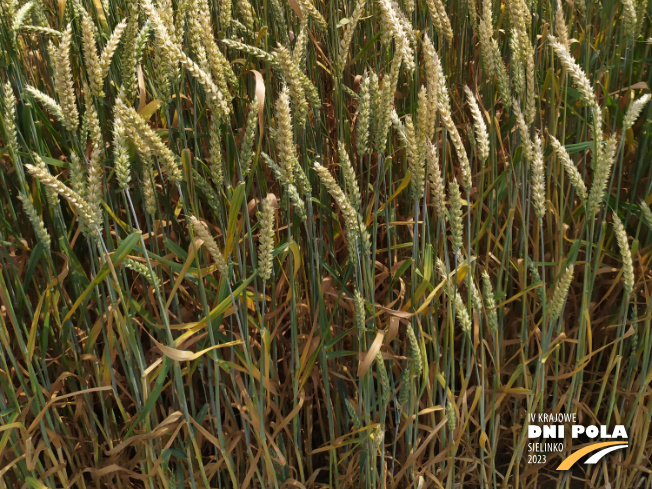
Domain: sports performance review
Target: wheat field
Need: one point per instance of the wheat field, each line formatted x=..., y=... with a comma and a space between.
x=319, y=243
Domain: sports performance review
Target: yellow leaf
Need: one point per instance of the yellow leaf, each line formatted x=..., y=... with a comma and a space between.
x=187, y=356
x=371, y=354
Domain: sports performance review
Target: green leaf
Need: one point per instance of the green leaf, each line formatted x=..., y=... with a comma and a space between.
x=577, y=147
x=126, y=245
x=236, y=203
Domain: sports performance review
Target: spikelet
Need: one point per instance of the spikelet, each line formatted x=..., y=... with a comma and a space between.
x=476, y=297
x=284, y=136
x=312, y=94
x=561, y=31
x=418, y=168
x=195, y=37
x=141, y=269
x=404, y=392
x=481, y=136
x=579, y=77
x=377, y=437
x=646, y=213
x=603, y=165
x=289, y=187
x=238, y=28
x=149, y=187
x=443, y=273
x=292, y=76
x=625, y=253
x=530, y=101
x=308, y=9
x=489, y=301
x=415, y=169
x=278, y=13
x=245, y=11
x=436, y=181
x=300, y=178
x=538, y=181
x=251, y=129
x=41, y=173
x=77, y=180
x=462, y=313
x=561, y=292
x=574, y=70
x=357, y=423
x=573, y=173
x=360, y=312
x=63, y=81
x=415, y=157
x=135, y=123
x=451, y=417
x=167, y=38
x=345, y=43
x=8, y=8
x=630, y=20
x=455, y=214
x=37, y=223
x=465, y=167
x=216, y=99
x=129, y=55
x=439, y=82
x=196, y=34
x=91, y=59
x=520, y=44
x=206, y=190
x=364, y=116
x=634, y=110
x=219, y=66
x=536, y=281
x=8, y=119
x=111, y=47
x=397, y=27
x=403, y=129
x=49, y=103
x=376, y=107
x=91, y=119
x=440, y=19
x=266, y=241
x=202, y=231
x=173, y=52
x=524, y=131
x=383, y=380
x=490, y=53
x=517, y=68
x=432, y=80
x=415, y=350
x=355, y=227
x=20, y=16
x=434, y=16
x=51, y=195
x=252, y=51
x=473, y=14
x=121, y=164
x=224, y=9
x=350, y=178
x=409, y=6
x=301, y=44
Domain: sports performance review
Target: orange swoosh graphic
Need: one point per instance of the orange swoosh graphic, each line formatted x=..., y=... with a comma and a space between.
x=575, y=456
